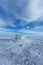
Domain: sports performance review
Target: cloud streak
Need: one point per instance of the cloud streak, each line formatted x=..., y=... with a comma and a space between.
x=21, y=14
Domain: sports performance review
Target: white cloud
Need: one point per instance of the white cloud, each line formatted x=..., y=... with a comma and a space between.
x=2, y=22
x=34, y=10
x=31, y=10
x=38, y=27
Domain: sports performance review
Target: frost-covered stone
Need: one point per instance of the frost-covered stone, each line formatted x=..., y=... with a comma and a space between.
x=21, y=50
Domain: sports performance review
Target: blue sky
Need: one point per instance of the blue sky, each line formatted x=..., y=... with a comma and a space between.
x=21, y=16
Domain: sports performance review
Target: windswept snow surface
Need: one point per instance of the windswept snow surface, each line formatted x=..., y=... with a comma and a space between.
x=21, y=50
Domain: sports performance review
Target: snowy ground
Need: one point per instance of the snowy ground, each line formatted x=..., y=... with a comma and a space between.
x=21, y=50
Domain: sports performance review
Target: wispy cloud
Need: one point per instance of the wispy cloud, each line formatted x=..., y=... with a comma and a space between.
x=17, y=15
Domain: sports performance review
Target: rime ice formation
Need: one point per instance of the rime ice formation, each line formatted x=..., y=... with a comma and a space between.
x=21, y=50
